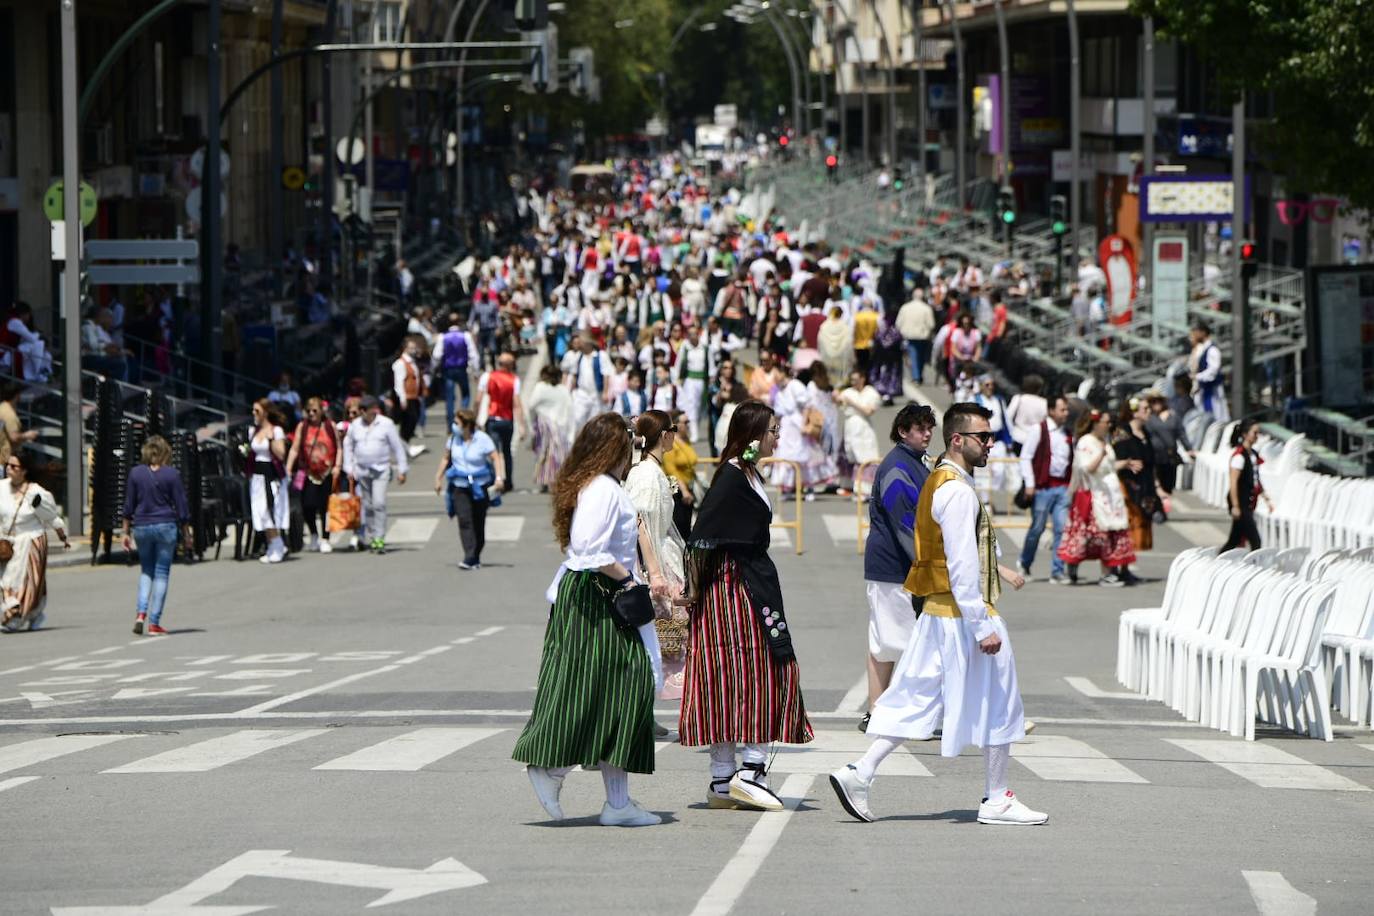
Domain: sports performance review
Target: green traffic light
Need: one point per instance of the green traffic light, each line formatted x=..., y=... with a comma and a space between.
x=897, y=184
x=1059, y=227
x=1008, y=216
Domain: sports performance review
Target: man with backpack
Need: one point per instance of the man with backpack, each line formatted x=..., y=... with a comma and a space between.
x=453, y=352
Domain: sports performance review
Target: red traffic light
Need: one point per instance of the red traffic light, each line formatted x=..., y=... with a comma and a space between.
x=783, y=141
x=1248, y=251
x=831, y=161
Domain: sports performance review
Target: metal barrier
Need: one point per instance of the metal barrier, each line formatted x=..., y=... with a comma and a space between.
x=860, y=503
x=796, y=523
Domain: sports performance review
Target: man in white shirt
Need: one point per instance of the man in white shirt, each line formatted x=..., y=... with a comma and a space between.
x=99, y=352
x=371, y=448
x=1204, y=363
x=588, y=373
x=958, y=673
x=1046, y=466
x=693, y=369
x=916, y=324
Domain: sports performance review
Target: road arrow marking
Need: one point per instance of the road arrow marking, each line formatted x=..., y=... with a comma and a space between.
x=400, y=884
x=44, y=700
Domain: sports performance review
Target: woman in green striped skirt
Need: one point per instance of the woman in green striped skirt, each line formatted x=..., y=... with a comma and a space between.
x=595, y=700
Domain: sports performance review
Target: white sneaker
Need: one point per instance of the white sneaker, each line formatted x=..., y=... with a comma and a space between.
x=718, y=795
x=1009, y=811
x=326, y=547
x=546, y=787
x=267, y=557
x=629, y=816
x=852, y=792
x=417, y=450
x=752, y=791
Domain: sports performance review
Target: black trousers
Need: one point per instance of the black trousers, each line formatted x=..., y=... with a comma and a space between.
x=1243, y=531
x=503, y=431
x=472, y=523
x=409, y=418
x=315, y=505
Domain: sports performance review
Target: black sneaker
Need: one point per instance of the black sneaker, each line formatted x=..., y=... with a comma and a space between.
x=138, y=624
x=863, y=723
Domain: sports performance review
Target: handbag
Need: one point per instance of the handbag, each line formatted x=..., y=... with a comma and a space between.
x=6, y=544
x=345, y=511
x=632, y=606
x=1021, y=500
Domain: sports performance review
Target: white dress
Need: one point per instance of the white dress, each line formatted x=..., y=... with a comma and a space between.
x=23, y=584
x=278, y=514
x=652, y=496
x=860, y=441
x=605, y=530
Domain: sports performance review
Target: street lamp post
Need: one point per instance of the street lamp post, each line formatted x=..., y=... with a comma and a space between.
x=961, y=114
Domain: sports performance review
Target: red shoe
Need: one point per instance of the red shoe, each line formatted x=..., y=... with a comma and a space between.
x=156, y=630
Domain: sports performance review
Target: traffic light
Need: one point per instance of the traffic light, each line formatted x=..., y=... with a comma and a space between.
x=783, y=141
x=1249, y=259
x=1006, y=206
x=1059, y=216
x=898, y=179
x=832, y=162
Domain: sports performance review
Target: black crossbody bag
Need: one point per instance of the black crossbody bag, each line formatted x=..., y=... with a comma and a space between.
x=632, y=606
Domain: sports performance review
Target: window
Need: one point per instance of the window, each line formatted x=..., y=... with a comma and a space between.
x=387, y=27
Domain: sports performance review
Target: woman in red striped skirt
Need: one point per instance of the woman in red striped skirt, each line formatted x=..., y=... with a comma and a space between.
x=741, y=679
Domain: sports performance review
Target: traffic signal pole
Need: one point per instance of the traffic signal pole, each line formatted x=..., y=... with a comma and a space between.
x=71, y=277
x=1240, y=284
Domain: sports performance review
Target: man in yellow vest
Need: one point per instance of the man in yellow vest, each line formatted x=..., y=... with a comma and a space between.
x=957, y=673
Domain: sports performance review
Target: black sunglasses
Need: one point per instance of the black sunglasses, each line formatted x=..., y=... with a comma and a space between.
x=984, y=436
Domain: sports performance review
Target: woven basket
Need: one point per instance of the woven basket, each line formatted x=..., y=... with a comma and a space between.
x=672, y=637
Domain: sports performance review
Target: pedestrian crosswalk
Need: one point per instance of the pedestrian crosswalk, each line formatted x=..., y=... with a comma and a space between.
x=389, y=749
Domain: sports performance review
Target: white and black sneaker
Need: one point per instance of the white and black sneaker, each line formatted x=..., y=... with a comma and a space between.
x=852, y=792
x=749, y=787
x=547, y=788
x=718, y=794
x=1111, y=580
x=1009, y=812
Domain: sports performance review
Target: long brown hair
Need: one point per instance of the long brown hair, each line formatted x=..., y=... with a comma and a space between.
x=603, y=446
x=271, y=411
x=749, y=422
x=650, y=426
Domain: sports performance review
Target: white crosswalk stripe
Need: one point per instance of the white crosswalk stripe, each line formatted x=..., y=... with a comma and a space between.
x=1267, y=766
x=217, y=752
x=1200, y=534
x=1061, y=759
x=15, y=781
x=833, y=749
x=412, y=751
x=40, y=750
x=843, y=529
x=506, y=528
x=405, y=531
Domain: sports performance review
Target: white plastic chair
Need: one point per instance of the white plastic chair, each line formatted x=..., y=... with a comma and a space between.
x=1131, y=651
x=1296, y=686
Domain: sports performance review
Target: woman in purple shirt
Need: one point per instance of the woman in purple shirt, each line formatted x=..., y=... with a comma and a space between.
x=155, y=507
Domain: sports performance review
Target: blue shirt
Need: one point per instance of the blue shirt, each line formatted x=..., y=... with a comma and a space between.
x=888, y=554
x=155, y=498
x=470, y=457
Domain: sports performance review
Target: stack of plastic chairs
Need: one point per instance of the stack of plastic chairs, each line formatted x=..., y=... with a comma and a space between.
x=1238, y=634
x=1348, y=643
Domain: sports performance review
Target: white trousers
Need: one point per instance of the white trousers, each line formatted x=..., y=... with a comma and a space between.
x=944, y=681
x=278, y=514
x=689, y=399
x=585, y=406
x=890, y=620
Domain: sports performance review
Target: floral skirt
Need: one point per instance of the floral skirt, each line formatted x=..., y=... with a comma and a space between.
x=1085, y=540
x=550, y=450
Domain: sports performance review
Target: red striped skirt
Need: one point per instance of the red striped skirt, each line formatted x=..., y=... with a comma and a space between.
x=733, y=688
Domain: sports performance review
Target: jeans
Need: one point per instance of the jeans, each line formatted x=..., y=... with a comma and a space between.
x=919, y=351
x=157, y=544
x=472, y=523
x=455, y=378
x=503, y=431
x=372, y=486
x=1051, y=502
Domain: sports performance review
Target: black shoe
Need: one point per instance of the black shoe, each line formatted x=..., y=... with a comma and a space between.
x=863, y=723
x=138, y=624
x=660, y=731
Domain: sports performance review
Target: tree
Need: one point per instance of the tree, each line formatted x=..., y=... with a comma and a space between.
x=1315, y=57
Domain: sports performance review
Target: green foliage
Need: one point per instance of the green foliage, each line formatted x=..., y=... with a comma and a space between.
x=1316, y=57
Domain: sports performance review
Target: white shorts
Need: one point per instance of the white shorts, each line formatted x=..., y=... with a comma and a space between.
x=890, y=620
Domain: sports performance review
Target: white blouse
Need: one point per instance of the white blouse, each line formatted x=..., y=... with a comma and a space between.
x=28, y=520
x=605, y=530
x=649, y=491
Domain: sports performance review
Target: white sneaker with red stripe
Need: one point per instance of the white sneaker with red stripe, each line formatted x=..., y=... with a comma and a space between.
x=1009, y=811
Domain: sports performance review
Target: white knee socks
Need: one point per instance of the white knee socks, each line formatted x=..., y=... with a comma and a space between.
x=723, y=760
x=877, y=752
x=617, y=785
x=996, y=757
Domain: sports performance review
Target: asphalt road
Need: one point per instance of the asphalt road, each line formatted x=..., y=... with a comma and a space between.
x=335, y=732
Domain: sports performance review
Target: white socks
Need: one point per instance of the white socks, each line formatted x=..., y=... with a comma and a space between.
x=723, y=760
x=996, y=757
x=617, y=785
x=877, y=752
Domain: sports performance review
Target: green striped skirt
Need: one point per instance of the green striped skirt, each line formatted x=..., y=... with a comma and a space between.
x=595, y=698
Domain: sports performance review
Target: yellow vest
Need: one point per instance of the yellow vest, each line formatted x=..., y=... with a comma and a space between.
x=929, y=575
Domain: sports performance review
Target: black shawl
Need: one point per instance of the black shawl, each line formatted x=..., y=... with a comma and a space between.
x=733, y=521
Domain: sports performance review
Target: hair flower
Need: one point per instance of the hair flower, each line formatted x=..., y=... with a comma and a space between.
x=751, y=453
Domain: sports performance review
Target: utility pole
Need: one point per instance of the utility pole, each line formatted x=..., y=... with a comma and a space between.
x=71, y=276
x=325, y=256
x=1240, y=292
x=212, y=245
x=1003, y=97
x=961, y=105
x=1075, y=125
x=369, y=168
x=276, y=211
x=1147, y=165
x=916, y=17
